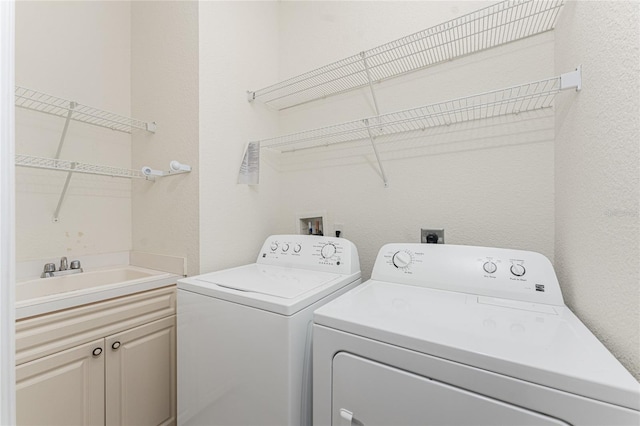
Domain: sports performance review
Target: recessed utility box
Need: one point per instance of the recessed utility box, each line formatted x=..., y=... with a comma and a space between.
x=311, y=224
x=432, y=236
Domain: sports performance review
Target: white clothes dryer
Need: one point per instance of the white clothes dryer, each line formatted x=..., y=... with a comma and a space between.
x=458, y=335
x=244, y=334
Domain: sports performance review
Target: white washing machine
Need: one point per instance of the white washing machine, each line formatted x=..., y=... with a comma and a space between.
x=244, y=334
x=457, y=335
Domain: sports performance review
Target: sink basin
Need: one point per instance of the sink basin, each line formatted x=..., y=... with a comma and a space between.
x=43, y=295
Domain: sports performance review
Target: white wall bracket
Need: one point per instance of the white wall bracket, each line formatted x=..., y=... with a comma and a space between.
x=375, y=151
x=572, y=79
x=175, y=168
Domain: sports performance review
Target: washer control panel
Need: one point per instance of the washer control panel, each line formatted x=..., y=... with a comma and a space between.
x=504, y=273
x=310, y=252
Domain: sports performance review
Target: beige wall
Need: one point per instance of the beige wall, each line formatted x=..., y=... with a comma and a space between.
x=598, y=173
x=165, y=85
x=78, y=51
x=238, y=52
x=488, y=183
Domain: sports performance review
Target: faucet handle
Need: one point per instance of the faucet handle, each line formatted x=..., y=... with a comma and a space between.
x=49, y=267
x=75, y=264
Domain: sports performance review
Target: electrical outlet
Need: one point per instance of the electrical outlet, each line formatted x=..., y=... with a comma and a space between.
x=430, y=235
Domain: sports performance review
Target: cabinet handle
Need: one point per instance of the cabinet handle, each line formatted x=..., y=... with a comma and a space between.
x=97, y=351
x=115, y=345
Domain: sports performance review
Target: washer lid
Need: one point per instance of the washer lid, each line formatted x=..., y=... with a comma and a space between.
x=542, y=344
x=285, y=283
x=272, y=288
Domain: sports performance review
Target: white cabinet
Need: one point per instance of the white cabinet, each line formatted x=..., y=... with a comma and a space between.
x=109, y=363
x=66, y=388
x=141, y=375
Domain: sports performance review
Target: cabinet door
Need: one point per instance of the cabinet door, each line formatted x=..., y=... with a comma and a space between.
x=65, y=388
x=141, y=375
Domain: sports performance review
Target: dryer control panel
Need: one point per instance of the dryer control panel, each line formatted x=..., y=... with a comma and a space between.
x=310, y=252
x=503, y=273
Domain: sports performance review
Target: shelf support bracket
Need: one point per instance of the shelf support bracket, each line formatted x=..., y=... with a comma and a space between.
x=72, y=106
x=572, y=79
x=375, y=151
x=63, y=194
x=373, y=92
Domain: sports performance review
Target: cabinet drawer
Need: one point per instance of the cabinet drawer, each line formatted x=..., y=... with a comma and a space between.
x=46, y=334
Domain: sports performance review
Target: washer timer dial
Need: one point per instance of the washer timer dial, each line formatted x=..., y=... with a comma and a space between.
x=402, y=259
x=328, y=250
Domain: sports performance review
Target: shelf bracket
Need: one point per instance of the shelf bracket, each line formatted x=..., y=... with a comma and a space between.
x=56, y=214
x=251, y=96
x=572, y=79
x=72, y=106
x=373, y=92
x=375, y=151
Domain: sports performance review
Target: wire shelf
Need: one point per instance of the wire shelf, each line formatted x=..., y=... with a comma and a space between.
x=483, y=29
x=511, y=100
x=49, y=104
x=76, y=167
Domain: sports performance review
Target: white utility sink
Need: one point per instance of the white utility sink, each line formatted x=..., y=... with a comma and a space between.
x=44, y=295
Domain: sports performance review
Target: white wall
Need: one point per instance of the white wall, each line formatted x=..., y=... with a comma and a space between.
x=598, y=173
x=238, y=52
x=164, y=72
x=78, y=51
x=487, y=183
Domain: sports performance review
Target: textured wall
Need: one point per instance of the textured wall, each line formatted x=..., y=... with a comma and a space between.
x=488, y=182
x=164, y=70
x=597, y=173
x=78, y=51
x=238, y=52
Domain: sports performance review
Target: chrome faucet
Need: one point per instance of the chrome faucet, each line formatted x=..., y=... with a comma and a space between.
x=50, y=268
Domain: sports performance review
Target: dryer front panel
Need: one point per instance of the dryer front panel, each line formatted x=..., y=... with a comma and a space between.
x=369, y=393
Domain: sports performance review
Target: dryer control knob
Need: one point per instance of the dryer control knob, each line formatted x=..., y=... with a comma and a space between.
x=402, y=259
x=274, y=246
x=285, y=247
x=328, y=250
x=517, y=270
x=297, y=248
x=490, y=267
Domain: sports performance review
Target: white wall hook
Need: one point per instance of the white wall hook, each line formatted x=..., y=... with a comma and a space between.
x=176, y=166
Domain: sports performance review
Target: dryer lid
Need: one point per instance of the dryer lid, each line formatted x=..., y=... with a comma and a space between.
x=269, y=280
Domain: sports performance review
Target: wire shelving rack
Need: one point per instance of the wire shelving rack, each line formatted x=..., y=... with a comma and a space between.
x=76, y=167
x=511, y=100
x=71, y=110
x=483, y=29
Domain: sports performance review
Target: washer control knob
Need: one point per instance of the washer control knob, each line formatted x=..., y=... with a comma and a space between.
x=297, y=248
x=517, y=270
x=401, y=259
x=328, y=250
x=285, y=247
x=274, y=246
x=489, y=267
